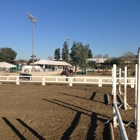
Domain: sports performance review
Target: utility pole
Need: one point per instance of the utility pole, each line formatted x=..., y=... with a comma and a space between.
x=68, y=39
x=33, y=21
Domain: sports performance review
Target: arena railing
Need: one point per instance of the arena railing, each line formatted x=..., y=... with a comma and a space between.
x=99, y=80
x=116, y=117
x=121, y=125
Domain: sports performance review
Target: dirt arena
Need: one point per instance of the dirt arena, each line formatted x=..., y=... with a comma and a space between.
x=59, y=112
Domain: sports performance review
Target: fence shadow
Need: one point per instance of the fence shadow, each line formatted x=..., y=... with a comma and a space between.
x=106, y=132
x=74, y=123
x=65, y=106
x=93, y=116
x=91, y=98
x=31, y=130
x=92, y=128
x=54, y=102
x=14, y=128
x=72, y=105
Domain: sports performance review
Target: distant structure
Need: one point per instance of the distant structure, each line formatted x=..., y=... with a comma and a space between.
x=20, y=62
x=98, y=60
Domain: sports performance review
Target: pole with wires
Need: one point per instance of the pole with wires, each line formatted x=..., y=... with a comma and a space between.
x=33, y=21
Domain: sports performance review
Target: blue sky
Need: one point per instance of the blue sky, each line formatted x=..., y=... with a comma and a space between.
x=110, y=26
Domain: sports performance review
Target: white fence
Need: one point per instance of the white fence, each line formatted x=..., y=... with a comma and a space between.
x=121, y=125
x=116, y=113
x=99, y=80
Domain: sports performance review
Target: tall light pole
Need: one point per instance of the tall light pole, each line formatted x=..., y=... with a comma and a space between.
x=68, y=39
x=33, y=21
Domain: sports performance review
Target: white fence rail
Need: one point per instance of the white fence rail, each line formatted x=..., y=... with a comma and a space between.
x=99, y=80
x=121, y=125
x=116, y=114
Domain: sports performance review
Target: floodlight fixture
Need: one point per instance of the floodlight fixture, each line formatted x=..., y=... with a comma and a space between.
x=32, y=18
x=68, y=39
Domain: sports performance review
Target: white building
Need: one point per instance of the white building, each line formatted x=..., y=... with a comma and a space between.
x=98, y=60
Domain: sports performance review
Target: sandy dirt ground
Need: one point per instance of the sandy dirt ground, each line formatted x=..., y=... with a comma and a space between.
x=59, y=112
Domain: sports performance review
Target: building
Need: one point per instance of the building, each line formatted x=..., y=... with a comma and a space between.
x=20, y=62
x=98, y=60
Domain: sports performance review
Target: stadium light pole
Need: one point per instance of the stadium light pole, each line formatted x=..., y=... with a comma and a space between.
x=33, y=21
x=68, y=39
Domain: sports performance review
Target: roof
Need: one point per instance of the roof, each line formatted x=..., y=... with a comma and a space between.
x=50, y=62
x=5, y=64
x=98, y=60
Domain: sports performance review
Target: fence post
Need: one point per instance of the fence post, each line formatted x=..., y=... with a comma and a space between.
x=56, y=79
x=136, y=87
x=7, y=78
x=120, y=92
x=85, y=80
x=43, y=81
x=114, y=94
x=125, y=88
x=17, y=80
x=100, y=83
x=70, y=81
x=132, y=83
x=138, y=98
x=112, y=80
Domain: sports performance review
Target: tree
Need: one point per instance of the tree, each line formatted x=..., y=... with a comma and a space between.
x=57, y=54
x=90, y=54
x=107, y=63
x=128, y=57
x=105, y=56
x=50, y=57
x=98, y=56
x=30, y=61
x=84, y=55
x=7, y=55
x=129, y=60
x=116, y=61
x=91, y=64
x=79, y=55
x=65, y=52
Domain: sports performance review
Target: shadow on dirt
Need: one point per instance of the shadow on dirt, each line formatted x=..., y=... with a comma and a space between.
x=92, y=128
x=31, y=130
x=91, y=98
x=74, y=123
x=14, y=128
x=18, y=132
x=93, y=124
x=72, y=105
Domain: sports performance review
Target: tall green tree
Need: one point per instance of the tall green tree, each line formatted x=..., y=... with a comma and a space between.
x=98, y=56
x=116, y=61
x=91, y=64
x=7, y=55
x=50, y=57
x=57, y=54
x=65, y=52
x=107, y=63
x=84, y=55
x=79, y=55
x=105, y=56
x=90, y=55
x=129, y=60
x=31, y=60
